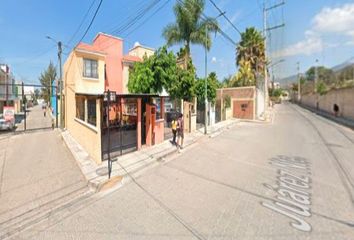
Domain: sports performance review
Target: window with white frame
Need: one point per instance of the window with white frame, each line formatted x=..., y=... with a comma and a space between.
x=90, y=68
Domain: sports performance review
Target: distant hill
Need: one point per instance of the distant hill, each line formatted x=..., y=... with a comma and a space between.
x=349, y=62
x=338, y=69
x=284, y=82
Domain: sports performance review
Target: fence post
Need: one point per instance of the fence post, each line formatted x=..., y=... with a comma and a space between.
x=56, y=107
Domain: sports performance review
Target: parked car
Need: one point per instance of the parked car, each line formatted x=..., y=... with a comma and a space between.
x=6, y=125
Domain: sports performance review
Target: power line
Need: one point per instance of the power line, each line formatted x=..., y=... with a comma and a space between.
x=136, y=18
x=223, y=14
x=92, y=20
x=81, y=23
x=147, y=19
x=205, y=18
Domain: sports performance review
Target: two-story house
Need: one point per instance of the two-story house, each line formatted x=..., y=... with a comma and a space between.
x=89, y=72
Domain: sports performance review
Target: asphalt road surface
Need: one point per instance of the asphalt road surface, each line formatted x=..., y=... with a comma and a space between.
x=291, y=179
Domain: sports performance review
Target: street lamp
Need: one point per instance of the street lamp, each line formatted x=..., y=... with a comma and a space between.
x=206, y=76
x=60, y=83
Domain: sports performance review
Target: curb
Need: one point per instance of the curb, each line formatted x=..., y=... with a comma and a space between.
x=126, y=177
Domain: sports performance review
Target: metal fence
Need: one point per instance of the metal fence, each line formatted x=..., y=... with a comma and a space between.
x=26, y=107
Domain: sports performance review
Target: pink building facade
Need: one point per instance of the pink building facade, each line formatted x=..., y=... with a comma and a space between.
x=130, y=121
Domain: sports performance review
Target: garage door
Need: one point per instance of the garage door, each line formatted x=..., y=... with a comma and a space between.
x=243, y=109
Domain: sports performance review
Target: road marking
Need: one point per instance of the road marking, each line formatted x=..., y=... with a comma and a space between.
x=292, y=185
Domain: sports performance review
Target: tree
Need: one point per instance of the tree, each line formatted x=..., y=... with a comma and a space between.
x=47, y=79
x=245, y=76
x=212, y=85
x=324, y=74
x=321, y=88
x=184, y=86
x=345, y=75
x=190, y=27
x=160, y=71
x=251, y=50
x=154, y=73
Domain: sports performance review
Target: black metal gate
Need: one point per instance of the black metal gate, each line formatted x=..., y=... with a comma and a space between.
x=121, y=132
x=26, y=107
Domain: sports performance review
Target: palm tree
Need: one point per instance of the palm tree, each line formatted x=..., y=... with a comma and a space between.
x=245, y=76
x=251, y=49
x=190, y=26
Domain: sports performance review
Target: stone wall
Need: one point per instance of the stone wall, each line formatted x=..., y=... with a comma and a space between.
x=344, y=98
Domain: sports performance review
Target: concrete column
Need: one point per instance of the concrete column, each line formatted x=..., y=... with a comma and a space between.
x=138, y=125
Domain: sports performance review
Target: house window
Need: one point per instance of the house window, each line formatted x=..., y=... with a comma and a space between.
x=91, y=111
x=90, y=68
x=80, y=108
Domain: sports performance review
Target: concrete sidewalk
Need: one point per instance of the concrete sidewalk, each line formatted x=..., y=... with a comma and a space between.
x=137, y=162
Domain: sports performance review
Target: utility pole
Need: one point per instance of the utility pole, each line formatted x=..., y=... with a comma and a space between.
x=206, y=76
x=206, y=83
x=7, y=85
x=61, y=86
x=299, y=82
x=265, y=30
x=316, y=76
x=60, y=82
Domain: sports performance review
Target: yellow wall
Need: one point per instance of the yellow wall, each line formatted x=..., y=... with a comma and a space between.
x=86, y=135
x=125, y=77
x=140, y=51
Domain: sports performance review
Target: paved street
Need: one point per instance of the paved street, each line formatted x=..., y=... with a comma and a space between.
x=232, y=186
x=35, y=119
x=37, y=173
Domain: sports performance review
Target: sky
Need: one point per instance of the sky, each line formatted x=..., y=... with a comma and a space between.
x=314, y=29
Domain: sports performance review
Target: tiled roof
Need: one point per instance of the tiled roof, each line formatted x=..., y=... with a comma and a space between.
x=130, y=58
x=90, y=48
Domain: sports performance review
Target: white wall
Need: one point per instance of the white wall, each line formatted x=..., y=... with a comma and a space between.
x=260, y=103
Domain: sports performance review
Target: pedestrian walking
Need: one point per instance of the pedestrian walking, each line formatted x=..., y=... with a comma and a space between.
x=44, y=111
x=180, y=131
x=335, y=109
x=174, y=130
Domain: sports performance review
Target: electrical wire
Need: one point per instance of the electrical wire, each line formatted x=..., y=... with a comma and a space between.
x=133, y=20
x=81, y=23
x=205, y=18
x=148, y=18
x=92, y=20
x=223, y=14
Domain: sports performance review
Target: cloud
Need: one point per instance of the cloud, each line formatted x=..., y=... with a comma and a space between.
x=337, y=20
x=213, y=60
x=311, y=44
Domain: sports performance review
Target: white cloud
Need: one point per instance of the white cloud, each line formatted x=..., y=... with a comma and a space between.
x=335, y=20
x=213, y=60
x=311, y=44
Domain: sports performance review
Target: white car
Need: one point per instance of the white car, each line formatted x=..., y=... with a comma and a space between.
x=6, y=125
